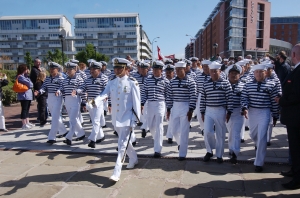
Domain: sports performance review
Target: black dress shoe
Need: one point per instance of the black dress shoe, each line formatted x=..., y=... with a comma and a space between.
x=100, y=140
x=207, y=157
x=202, y=132
x=117, y=149
x=116, y=133
x=292, y=185
x=220, y=160
x=178, y=147
x=144, y=133
x=61, y=136
x=268, y=143
x=258, y=169
x=190, y=126
x=67, y=141
x=242, y=140
x=289, y=173
x=92, y=144
x=51, y=141
x=104, y=126
x=80, y=138
x=105, y=113
x=246, y=128
x=170, y=141
x=181, y=158
x=156, y=155
x=233, y=158
x=255, y=147
x=90, y=121
x=5, y=130
x=133, y=143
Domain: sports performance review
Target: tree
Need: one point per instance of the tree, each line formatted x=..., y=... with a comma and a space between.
x=28, y=60
x=55, y=56
x=89, y=53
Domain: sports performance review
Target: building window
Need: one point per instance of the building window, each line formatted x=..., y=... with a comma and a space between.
x=290, y=26
x=274, y=33
x=282, y=26
x=275, y=27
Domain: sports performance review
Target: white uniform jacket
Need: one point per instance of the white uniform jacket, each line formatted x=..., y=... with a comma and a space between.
x=125, y=95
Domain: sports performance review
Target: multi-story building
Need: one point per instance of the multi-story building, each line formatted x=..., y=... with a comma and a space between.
x=115, y=35
x=189, y=50
x=34, y=34
x=238, y=27
x=286, y=29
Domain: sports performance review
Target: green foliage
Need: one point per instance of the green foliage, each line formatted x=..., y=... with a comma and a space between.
x=89, y=53
x=28, y=60
x=55, y=56
x=9, y=96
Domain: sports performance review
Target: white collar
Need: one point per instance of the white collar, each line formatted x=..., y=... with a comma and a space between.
x=297, y=65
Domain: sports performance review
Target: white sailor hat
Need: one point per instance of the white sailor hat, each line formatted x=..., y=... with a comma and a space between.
x=144, y=65
x=54, y=65
x=247, y=61
x=96, y=65
x=225, y=60
x=158, y=64
x=188, y=62
x=206, y=62
x=91, y=60
x=168, y=61
x=103, y=62
x=120, y=62
x=259, y=67
x=169, y=67
x=180, y=64
x=74, y=61
x=194, y=59
x=70, y=65
x=241, y=63
x=269, y=66
x=147, y=61
x=215, y=65
x=233, y=68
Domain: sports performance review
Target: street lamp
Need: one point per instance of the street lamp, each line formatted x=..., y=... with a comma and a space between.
x=95, y=49
x=192, y=40
x=152, y=45
x=141, y=35
x=62, y=38
x=215, y=45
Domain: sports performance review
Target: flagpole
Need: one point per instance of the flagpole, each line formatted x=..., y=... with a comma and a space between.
x=152, y=46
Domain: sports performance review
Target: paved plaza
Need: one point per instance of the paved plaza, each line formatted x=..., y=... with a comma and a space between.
x=31, y=168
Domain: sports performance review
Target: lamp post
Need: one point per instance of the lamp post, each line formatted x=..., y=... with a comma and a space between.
x=215, y=46
x=192, y=41
x=62, y=38
x=152, y=46
x=141, y=35
x=256, y=53
x=95, y=49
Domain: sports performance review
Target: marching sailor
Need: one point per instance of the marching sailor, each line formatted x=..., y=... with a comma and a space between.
x=258, y=102
x=216, y=99
x=54, y=102
x=195, y=67
x=72, y=101
x=94, y=86
x=126, y=110
x=154, y=92
x=181, y=102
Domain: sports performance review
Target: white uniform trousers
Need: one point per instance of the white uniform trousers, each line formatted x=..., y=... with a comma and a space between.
x=133, y=137
x=97, y=132
x=144, y=117
x=73, y=108
x=2, y=118
x=243, y=128
x=180, y=126
x=215, y=116
x=234, y=127
x=155, y=118
x=57, y=125
x=80, y=116
x=258, y=122
x=270, y=129
x=122, y=143
x=199, y=117
x=105, y=105
x=102, y=119
x=169, y=130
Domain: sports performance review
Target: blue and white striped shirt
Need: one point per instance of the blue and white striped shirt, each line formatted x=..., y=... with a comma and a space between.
x=216, y=94
x=260, y=95
x=237, y=93
x=51, y=85
x=182, y=90
x=70, y=84
x=200, y=79
x=106, y=72
x=154, y=89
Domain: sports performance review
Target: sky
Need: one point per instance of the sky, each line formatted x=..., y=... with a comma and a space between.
x=170, y=20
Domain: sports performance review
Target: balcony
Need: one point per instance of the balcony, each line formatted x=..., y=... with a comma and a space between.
x=105, y=37
x=119, y=44
x=131, y=44
x=7, y=61
x=106, y=52
x=106, y=44
x=4, y=46
x=20, y=46
x=118, y=51
x=131, y=36
x=79, y=44
x=115, y=36
x=43, y=45
x=6, y=53
x=30, y=38
x=130, y=51
x=30, y=46
x=70, y=52
x=43, y=38
x=20, y=53
x=54, y=45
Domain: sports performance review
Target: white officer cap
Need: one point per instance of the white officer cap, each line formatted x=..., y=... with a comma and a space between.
x=74, y=61
x=147, y=61
x=71, y=65
x=103, y=62
x=170, y=67
x=120, y=62
x=91, y=60
x=233, y=68
x=225, y=59
x=206, y=62
x=247, y=61
x=259, y=67
x=96, y=65
x=54, y=65
x=215, y=65
x=168, y=61
x=180, y=64
x=144, y=65
x=188, y=62
x=194, y=59
x=158, y=64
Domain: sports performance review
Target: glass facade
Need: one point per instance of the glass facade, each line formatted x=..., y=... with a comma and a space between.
x=238, y=3
x=28, y=24
x=105, y=22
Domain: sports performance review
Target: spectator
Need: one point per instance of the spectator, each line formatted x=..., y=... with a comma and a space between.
x=282, y=69
x=41, y=99
x=35, y=70
x=3, y=82
x=26, y=97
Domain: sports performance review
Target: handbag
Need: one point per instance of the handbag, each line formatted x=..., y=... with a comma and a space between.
x=19, y=87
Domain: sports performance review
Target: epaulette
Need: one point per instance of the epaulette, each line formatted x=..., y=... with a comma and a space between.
x=113, y=77
x=133, y=79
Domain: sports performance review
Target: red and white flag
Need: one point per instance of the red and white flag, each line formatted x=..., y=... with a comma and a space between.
x=160, y=56
x=172, y=56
